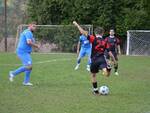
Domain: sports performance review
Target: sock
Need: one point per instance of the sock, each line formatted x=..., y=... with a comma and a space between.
x=19, y=70
x=116, y=67
x=95, y=87
x=89, y=61
x=78, y=61
x=27, y=76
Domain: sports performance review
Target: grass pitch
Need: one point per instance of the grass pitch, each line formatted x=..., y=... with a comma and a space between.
x=59, y=89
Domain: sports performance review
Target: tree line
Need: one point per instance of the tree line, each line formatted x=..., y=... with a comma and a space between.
x=122, y=15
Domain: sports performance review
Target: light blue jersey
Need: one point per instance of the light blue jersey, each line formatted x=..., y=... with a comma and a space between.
x=22, y=45
x=84, y=42
x=85, y=49
x=23, y=51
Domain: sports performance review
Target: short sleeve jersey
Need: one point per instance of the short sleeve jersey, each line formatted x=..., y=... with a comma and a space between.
x=99, y=45
x=22, y=45
x=113, y=42
x=84, y=42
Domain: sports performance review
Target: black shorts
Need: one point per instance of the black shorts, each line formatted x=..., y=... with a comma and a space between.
x=114, y=54
x=98, y=63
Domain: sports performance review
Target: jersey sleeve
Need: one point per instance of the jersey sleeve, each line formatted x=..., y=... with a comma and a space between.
x=118, y=41
x=91, y=38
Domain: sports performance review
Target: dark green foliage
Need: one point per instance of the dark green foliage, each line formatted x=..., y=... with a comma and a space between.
x=120, y=15
x=44, y=12
x=65, y=37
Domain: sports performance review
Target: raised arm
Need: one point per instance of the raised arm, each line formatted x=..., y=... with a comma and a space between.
x=80, y=28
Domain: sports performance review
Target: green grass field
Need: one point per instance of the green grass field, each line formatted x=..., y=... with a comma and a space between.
x=59, y=89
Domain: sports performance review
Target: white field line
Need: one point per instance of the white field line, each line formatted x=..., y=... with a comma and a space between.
x=53, y=53
x=40, y=53
x=39, y=62
x=53, y=60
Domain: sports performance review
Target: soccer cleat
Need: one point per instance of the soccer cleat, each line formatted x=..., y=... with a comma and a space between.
x=116, y=73
x=11, y=76
x=95, y=91
x=88, y=68
x=27, y=84
x=77, y=66
x=109, y=66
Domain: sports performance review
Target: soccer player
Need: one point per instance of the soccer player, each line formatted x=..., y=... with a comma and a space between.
x=98, y=61
x=114, y=48
x=24, y=49
x=85, y=50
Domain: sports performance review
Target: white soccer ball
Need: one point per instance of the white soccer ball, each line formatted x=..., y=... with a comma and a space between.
x=104, y=90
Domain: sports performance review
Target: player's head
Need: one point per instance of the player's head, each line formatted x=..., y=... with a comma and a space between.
x=111, y=32
x=99, y=31
x=32, y=26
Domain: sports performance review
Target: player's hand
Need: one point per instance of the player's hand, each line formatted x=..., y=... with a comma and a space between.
x=75, y=23
x=38, y=46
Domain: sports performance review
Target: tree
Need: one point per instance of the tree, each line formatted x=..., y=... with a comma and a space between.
x=121, y=15
x=44, y=11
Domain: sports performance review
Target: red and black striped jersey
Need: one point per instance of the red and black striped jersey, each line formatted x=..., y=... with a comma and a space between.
x=113, y=42
x=99, y=45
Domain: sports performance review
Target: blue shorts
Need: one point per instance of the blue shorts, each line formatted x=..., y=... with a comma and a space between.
x=25, y=57
x=85, y=51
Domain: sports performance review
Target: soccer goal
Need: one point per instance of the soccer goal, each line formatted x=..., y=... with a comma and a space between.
x=56, y=38
x=138, y=42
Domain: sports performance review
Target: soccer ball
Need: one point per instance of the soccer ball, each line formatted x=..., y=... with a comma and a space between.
x=104, y=90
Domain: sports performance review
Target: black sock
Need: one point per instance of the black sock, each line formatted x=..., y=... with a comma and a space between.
x=116, y=67
x=94, y=84
x=95, y=87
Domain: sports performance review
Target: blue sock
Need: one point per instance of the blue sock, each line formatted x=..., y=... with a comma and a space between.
x=78, y=61
x=19, y=70
x=27, y=76
x=89, y=61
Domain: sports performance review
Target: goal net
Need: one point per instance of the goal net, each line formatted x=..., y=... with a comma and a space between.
x=56, y=38
x=138, y=42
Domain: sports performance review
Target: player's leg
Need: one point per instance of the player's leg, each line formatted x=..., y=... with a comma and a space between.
x=88, y=52
x=81, y=55
x=108, y=59
x=106, y=68
x=116, y=69
x=21, y=69
x=94, y=83
x=116, y=65
x=94, y=68
x=106, y=72
x=27, y=67
x=28, y=71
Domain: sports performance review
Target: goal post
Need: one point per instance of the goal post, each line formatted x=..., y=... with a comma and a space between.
x=138, y=42
x=62, y=38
